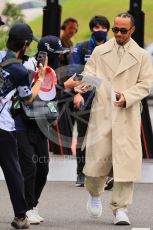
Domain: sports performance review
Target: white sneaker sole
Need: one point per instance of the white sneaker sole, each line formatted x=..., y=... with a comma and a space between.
x=121, y=222
x=79, y=185
x=41, y=219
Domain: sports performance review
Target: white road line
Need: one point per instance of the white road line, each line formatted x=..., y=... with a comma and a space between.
x=140, y=228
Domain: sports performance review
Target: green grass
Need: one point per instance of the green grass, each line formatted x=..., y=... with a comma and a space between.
x=83, y=10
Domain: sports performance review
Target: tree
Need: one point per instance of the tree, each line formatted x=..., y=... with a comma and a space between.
x=13, y=14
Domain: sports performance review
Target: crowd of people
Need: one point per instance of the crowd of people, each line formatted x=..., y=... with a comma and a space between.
x=107, y=117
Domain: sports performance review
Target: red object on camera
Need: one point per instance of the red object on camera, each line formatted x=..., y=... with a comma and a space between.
x=47, y=90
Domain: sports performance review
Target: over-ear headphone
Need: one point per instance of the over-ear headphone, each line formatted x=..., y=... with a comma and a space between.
x=66, y=21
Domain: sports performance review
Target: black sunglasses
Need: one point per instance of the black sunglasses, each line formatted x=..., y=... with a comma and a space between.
x=122, y=30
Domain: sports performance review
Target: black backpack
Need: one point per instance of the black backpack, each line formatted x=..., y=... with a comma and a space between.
x=3, y=79
x=4, y=84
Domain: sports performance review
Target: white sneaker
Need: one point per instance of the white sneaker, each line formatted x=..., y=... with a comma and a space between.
x=32, y=218
x=94, y=206
x=121, y=218
x=35, y=210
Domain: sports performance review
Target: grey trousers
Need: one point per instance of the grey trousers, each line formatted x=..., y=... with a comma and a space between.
x=122, y=193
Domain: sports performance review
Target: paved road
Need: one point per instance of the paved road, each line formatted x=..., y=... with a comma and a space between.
x=64, y=208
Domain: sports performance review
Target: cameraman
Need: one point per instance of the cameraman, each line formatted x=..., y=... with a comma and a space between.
x=16, y=77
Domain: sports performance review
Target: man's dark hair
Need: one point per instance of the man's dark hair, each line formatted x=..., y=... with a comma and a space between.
x=66, y=21
x=127, y=15
x=101, y=20
x=17, y=45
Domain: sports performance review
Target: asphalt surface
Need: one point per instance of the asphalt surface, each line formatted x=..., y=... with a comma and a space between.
x=63, y=207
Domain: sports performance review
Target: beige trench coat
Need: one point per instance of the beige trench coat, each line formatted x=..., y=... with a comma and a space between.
x=113, y=135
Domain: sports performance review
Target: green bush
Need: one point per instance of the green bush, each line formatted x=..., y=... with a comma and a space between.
x=13, y=14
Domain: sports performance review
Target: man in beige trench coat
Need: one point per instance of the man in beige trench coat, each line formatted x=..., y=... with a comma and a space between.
x=113, y=140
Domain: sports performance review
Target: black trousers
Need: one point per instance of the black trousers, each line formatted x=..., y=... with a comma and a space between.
x=62, y=133
x=34, y=161
x=82, y=125
x=9, y=161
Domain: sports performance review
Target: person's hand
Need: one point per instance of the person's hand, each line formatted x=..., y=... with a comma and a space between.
x=120, y=102
x=42, y=69
x=78, y=100
x=83, y=88
x=41, y=72
x=71, y=83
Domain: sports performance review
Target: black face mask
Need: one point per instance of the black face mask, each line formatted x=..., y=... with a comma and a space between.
x=99, y=36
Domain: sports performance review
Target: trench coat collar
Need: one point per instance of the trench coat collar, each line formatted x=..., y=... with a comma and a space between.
x=109, y=56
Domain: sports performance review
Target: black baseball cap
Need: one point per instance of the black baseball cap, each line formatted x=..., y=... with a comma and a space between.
x=21, y=31
x=1, y=22
x=51, y=44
